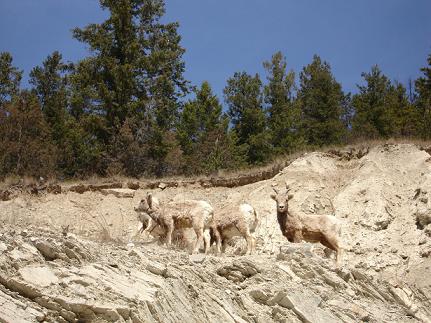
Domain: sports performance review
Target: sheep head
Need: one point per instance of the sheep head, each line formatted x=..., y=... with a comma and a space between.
x=147, y=206
x=282, y=199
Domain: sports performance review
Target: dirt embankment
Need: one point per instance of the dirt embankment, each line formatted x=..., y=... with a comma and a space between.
x=76, y=256
x=219, y=181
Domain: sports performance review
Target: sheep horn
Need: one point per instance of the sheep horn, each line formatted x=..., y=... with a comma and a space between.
x=287, y=187
x=275, y=190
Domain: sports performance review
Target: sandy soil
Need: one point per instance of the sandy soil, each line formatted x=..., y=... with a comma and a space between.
x=382, y=199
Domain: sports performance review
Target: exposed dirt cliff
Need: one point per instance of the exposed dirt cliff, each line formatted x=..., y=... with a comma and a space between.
x=72, y=256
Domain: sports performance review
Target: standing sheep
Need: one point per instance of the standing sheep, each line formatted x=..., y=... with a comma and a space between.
x=197, y=215
x=325, y=229
x=235, y=221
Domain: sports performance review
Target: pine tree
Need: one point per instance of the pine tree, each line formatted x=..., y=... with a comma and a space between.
x=371, y=119
x=382, y=109
x=404, y=116
x=10, y=78
x=243, y=95
x=135, y=72
x=204, y=135
x=79, y=151
x=322, y=104
x=198, y=117
x=49, y=81
x=423, y=103
x=283, y=113
x=25, y=138
x=137, y=62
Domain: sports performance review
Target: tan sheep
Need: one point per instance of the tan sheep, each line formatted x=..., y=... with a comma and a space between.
x=165, y=218
x=325, y=229
x=234, y=221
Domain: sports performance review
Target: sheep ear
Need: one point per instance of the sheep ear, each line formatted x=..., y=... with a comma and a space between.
x=273, y=196
x=290, y=196
x=150, y=200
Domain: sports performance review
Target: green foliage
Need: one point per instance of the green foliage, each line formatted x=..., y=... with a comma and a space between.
x=243, y=95
x=122, y=110
x=10, y=78
x=423, y=88
x=78, y=150
x=204, y=135
x=136, y=66
x=198, y=118
x=382, y=109
x=322, y=104
x=135, y=72
x=25, y=138
x=283, y=112
x=50, y=83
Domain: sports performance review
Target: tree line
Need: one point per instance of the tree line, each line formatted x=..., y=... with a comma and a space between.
x=127, y=108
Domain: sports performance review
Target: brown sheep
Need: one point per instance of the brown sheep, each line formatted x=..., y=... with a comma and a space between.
x=234, y=221
x=165, y=218
x=325, y=229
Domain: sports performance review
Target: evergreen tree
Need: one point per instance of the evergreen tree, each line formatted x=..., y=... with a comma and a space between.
x=423, y=88
x=49, y=83
x=137, y=62
x=382, y=109
x=405, y=117
x=322, y=104
x=243, y=95
x=25, y=138
x=10, y=78
x=371, y=116
x=136, y=71
x=78, y=150
x=283, y=113
x=204, y=135
x=198, y=118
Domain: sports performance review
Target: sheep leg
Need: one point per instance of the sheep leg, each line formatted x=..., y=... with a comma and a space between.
x=199, y=238
x=141, y=230
x=253, y=244
x=249, y=240
x=207, y=240
x=223, y=245
x=297, y=237
x=169, y=231
x=218, y=240
x=334, y=245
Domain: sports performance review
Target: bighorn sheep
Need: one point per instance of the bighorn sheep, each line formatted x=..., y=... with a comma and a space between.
x=235, y=221
x=177, y=215
x=144, y=218
x=325, y=229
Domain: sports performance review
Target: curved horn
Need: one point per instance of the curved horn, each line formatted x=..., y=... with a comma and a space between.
x=287, y=187
x=150, y=199
x=275, y=190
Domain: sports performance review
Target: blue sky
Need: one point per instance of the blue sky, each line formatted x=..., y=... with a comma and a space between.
x=225, y=36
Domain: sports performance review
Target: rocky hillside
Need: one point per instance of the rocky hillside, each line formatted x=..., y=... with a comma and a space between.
x=76, y=257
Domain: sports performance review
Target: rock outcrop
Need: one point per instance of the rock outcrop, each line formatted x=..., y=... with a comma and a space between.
x=99, y=270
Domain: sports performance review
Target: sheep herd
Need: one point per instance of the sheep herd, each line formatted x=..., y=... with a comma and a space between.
x=161, y=219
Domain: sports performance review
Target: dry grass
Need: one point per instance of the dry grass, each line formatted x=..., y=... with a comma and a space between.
x=278, y=162
x=14, y=180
